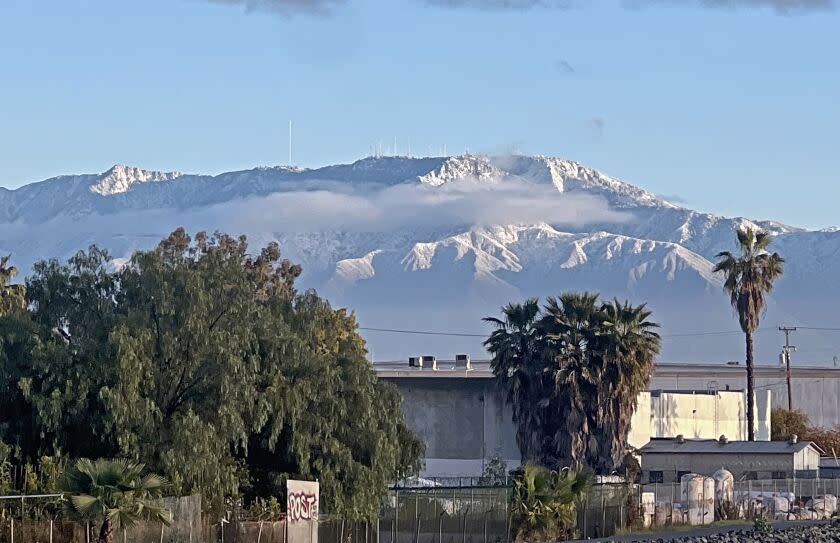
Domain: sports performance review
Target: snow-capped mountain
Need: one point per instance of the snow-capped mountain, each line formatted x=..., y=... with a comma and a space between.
x=438, y=243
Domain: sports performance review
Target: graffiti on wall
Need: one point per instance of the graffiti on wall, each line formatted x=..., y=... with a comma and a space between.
x=302, y=499
x=302, y=506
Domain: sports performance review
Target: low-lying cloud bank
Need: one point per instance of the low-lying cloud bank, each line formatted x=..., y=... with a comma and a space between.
x=318, y=207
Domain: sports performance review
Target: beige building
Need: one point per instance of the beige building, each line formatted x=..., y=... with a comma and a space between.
x=697, y=414
x=464, y=421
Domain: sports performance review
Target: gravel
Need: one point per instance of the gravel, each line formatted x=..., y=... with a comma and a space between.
x=810, y=534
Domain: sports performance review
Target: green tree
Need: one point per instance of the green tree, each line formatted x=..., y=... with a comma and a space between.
x=784, y=423
x=573, y=372
x=573, y=322
x=328, y=417
x=748, y=278
x=543, y=503
x=518, y=350
x=631, y=346
x=200, y=360
x=11, y=296
x=64, y=357
x=116, y=494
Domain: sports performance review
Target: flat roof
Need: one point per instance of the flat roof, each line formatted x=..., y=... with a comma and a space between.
x=481, y=370
x=713, y=446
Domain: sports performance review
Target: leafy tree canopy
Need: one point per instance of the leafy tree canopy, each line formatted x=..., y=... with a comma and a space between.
x=572, y=371
x=200, y=359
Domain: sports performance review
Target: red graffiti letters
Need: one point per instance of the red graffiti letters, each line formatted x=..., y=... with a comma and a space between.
x=302, y=506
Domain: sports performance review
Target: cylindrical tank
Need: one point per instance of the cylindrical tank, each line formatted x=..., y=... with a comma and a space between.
x=724, y=486
x=662, y=514
x=697, y=492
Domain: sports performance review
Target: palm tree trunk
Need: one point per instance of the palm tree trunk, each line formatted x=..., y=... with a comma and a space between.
x=750, y=389
x=106, y=533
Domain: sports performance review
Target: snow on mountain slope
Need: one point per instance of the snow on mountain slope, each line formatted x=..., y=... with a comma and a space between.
x=432, y=243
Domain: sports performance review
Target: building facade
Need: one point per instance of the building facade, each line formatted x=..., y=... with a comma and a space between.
x=667, y=460
x=463, y=418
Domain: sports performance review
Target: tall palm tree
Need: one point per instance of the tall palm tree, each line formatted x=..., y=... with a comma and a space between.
x=631, y=347
x=11, y=296
x=517, y=350
x=116, y=493
x=572, y=323
x=748, y=278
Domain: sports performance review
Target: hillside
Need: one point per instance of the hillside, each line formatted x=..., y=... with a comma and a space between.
x=438, y=243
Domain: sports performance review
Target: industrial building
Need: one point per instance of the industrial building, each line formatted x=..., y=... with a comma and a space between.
x=667, y=460
x=458, y=409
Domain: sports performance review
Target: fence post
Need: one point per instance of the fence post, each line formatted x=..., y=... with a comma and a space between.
x=585, y=507
x=464, y=530
x=603, y=515
x=12, y=519
x=51, y=530
x=87, y=533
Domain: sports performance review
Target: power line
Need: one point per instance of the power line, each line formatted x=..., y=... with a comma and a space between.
x=421, y=332
x=466, y=334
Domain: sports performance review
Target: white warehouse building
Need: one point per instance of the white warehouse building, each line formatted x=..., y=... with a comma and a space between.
x=461, y=414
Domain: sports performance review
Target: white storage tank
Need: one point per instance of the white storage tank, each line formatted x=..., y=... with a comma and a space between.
x=697, y=492
x=724, y=486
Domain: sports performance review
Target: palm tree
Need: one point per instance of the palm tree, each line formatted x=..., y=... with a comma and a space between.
x=517, y=350
x=748, y=277
x=631, y=347
x=11, y=296
x=116, y=493
x=572, y=323
x=543, y=503
x=572, y=373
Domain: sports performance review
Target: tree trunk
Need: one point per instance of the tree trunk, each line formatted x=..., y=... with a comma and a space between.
x=750, y=390
x=106, y=533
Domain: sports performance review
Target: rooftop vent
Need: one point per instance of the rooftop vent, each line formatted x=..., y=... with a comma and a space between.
x=794, y=439
x=415, y=362
x=429, y=362
x=462, y=362
x=723, y=440
x=680, y=439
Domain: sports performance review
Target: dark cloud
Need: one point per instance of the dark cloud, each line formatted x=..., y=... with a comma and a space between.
x=564, y=66
x=784, y=7
x=500, y=5
x=284, y=7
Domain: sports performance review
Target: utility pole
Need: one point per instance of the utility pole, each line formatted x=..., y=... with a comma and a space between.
x=785, y=359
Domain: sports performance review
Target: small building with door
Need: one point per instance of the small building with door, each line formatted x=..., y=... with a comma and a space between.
x=666, y=460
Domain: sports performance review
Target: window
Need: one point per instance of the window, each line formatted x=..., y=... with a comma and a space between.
x=655, y=477
x=751, y=476
x=680, y=475
x=778, y=475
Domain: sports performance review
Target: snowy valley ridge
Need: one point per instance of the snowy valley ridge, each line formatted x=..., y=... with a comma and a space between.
x=439, y=243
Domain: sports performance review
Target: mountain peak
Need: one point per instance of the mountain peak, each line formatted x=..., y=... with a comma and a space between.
x=120, y=178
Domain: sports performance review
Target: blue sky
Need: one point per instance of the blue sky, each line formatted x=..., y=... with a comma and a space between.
x=732, y=109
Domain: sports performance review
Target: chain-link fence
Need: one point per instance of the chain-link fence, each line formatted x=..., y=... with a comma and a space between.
x=478, y=514
x=446, y=515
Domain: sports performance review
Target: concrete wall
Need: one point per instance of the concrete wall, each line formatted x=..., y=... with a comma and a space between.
x=465, y=421
x=816, y=392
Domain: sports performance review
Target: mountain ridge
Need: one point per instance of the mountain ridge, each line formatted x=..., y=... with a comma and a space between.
x=372, y=235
